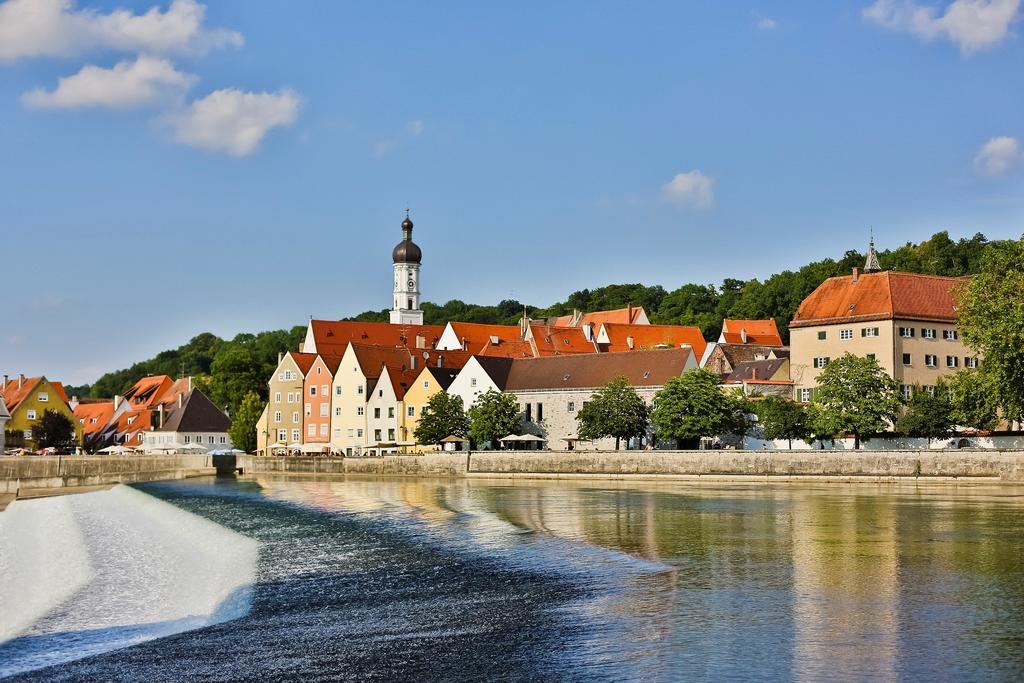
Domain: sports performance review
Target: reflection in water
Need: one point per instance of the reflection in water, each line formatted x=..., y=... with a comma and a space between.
x=440, y=579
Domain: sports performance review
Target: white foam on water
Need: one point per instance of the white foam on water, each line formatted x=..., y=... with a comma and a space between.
x=43, y=561
x=155, y=570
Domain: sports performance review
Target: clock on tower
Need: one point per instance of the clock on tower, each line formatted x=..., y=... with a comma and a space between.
x=406, y=258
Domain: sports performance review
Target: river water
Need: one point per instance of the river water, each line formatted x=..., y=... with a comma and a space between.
x=421, y=579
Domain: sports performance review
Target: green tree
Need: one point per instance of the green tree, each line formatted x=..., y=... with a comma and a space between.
x=857, y=397
x=693, y=406
x=492, y=416
x=614, y=410
x=53, y=430
x=235, y=373
x=928, y=415
x=781, y=418
x=244, y=422
x=973, y=399
x=991, y=319
x=444, y=415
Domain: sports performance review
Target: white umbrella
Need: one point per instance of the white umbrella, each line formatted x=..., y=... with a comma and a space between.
x=277, y=445
x=115, y=449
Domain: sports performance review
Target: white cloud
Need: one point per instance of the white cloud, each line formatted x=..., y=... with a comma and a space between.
x=412, y=129
x=234, y=121
x=998, y=156
x=126, y=84
x=972, y=24
x=48, y=28
x=693, y=189
x=766, y=24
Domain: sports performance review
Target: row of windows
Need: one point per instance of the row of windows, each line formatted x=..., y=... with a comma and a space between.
x=929, y=333
x=209, y=439
x=528, y=411
x=932, y=361
x=907, y=332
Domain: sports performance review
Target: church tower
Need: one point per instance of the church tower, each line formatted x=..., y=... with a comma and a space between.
x=871, y=264
x=406, y=257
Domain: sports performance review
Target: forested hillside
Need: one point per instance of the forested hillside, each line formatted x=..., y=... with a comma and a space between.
x=229, y=369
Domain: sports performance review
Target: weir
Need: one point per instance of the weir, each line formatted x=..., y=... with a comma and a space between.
x=80, y=575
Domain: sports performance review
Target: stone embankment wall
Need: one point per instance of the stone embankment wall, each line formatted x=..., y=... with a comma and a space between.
x=36, y=472
x=879, y=465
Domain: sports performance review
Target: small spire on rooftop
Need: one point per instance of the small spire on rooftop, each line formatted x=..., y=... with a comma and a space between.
x=871, y=264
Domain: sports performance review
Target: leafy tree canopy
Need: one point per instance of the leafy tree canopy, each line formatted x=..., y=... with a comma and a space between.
x=991, y=316
x=53, y=430
x=492, y=416
x=973, y=399
x=614, y=410
x=856, y=396
x=444, y=415
x=244, y=422
x=694, y=406
x=928, y=415
x=781, y=418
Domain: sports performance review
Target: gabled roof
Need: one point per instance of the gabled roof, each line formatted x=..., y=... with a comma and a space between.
x=497, y=368
x=879, y=296
x=756, y=370
x=401, y=381
x=304, y=361
x=764, y=332
x=196, y=414
x=585, y=371
x=331, y=362
x=649, y=337
x=631, y=315
x=147, y=391
x=332, y=336
x=552, y=340
x=94, y=415
x=13, y=394
x=443, y=376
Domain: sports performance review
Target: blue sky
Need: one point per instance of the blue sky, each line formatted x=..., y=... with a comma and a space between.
x=245, y=165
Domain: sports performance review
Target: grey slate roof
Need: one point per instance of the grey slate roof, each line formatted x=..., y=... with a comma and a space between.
x=196, y=414
x=755, y=369
x=591, y=370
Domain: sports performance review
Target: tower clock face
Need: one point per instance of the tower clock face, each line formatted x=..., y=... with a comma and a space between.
x=411, y=283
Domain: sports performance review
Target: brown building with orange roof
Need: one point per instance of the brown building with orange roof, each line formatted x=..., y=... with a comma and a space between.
x=286, y=390
x=26, y=399
x=630, y=315
x=618, y=338
x=94, y=416
x=758, y=332
x=905, y=321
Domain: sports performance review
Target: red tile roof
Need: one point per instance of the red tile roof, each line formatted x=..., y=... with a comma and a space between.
x=372, y=358
x=764, y=332
x=880, y=296
x=648, y=337
x=94, y=416
x=477, y=338
x=148, y=391
x=13, y=394
x=550, y=340
x=304, y=361
x=333, y=336
x=621, y=316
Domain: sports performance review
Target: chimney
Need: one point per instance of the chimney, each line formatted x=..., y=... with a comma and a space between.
x=280, y=357
x=181, y=400
x=629, y=312
x=190, y=382
x=753, y=373
x=743, y=335
x=465, y=345
x=421, y=341
x=412, y=362
x=577, y=314
x=21, y=380
x=160, y=416
x=856, y=274
x=117, y=401
x=440, y=361
x=5, y=382
x=629, y=342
